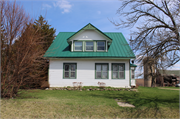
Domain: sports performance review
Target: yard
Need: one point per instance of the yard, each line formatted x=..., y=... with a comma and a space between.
x=148, y=102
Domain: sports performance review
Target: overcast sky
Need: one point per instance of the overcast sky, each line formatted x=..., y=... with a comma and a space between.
x=72, y=15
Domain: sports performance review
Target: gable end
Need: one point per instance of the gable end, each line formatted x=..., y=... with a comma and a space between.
x=89, y=27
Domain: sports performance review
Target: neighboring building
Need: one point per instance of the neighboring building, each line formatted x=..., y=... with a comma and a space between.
x=90, y=56
x=168, y=77
x=165, y=78
x=170, y=72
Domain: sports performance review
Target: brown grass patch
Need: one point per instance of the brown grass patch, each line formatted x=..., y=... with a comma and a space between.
x=52, y=108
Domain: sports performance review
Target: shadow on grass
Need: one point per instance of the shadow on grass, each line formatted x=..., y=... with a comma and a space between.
x=27, y=94
x=143, y=104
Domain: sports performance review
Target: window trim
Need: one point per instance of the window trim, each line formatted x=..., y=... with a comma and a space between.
x=101, y=70
x=104, y=46
x=69, y=72
x=118, y=70
x=74, y=46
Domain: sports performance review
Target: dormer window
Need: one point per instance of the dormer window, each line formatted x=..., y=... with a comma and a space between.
x=89, y=46
x=89, y=39
x=100, y=45
x=78, y=46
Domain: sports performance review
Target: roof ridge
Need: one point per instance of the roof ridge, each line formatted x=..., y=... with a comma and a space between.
x=67, y=32
x=112, y=32
x=74, y=32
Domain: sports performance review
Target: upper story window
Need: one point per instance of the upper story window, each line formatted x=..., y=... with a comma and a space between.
x=78, y=45
x=100, y=46
x=89, y=46
x=86, y=46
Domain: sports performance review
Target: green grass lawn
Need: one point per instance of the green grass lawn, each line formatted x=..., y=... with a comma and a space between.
x=171, y=87
x=149, y=102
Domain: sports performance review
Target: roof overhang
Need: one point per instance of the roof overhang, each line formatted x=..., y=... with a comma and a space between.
x=133, y=65
x=90, y=58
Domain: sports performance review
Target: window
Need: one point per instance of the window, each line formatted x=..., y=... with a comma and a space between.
x=78, y=46
x=132, y=73
x=118, y=71
x=100, y=45
x=89, y=46
x=101, y=71
x=69, y=70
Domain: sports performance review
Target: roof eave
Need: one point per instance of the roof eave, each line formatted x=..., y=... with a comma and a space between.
x=90, y=57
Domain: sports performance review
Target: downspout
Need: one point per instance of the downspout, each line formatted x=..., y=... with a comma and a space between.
x=129, y=74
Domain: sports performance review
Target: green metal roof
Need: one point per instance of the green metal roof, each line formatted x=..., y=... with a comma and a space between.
x=118, y=49
x=133, y=65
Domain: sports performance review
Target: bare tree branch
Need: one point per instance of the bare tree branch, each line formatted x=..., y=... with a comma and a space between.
x=157, y=33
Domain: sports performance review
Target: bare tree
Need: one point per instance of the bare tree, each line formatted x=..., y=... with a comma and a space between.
x=13, y=22
x=20, y=48
x=156, y=29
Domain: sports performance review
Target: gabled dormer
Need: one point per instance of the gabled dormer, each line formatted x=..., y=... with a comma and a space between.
x=89, y=39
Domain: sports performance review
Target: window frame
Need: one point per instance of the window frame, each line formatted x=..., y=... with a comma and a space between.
x=69, y=71
x=82, y=46
x=104, y=45
x=101, y=70
x=86, y=45
x=123, y=64
x=132, y=74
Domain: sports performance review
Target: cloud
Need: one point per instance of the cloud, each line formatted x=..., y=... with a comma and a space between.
x=64, y=5
x=99, y=12
x=46, y=6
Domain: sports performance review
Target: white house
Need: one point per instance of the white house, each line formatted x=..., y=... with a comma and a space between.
x=90, y=56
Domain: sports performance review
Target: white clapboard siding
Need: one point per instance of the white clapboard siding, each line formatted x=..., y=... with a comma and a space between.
x=89, y=35
x=85, y=73
x=133, y=82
